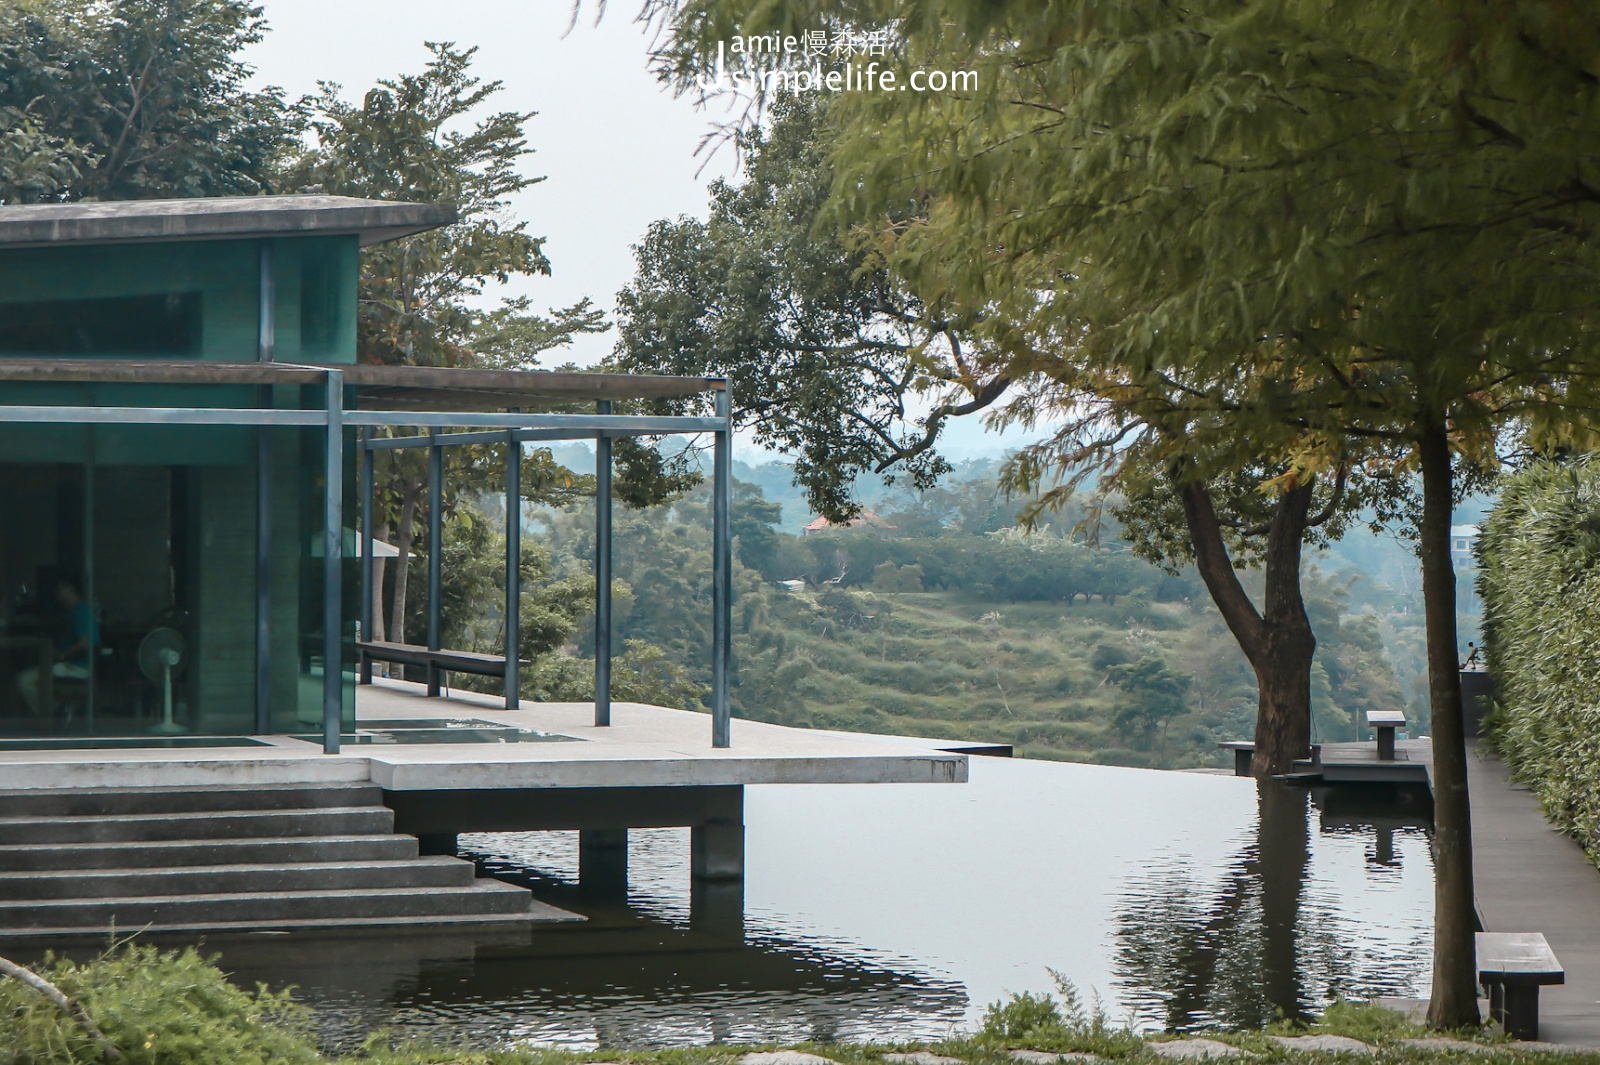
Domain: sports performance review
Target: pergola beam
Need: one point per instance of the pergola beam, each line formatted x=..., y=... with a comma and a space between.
x=581, y=424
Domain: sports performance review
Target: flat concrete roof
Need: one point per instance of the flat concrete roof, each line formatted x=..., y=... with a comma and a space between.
x=377, y=387
x=646, y=746
x=216, y=218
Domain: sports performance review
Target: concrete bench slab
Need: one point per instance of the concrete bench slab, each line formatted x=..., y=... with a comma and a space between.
x=1385, y=722
x=1322, y=1043
x=1512, y=966
x=785, y=1057
x=1196, y=1050
x=1445, y=1044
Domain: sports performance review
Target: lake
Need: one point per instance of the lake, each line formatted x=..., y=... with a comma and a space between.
x=898, y=912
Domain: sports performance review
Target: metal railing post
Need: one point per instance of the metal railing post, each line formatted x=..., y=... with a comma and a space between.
x=266, y=344
x=602, y=573
x=435, y=551
x=368, y=566
x=513, y=570
x=722, y=570
x=332, y=571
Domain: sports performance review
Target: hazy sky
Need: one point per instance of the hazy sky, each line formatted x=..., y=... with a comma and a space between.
x=618, y=152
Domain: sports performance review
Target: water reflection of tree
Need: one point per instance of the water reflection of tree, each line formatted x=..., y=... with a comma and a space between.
x=1191, y=953
x=1188, y=958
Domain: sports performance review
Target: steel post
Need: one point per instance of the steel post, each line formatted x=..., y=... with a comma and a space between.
x=602, y=573
x=368, y=567
x=88, y=589
x=263, y=580
x=722, y=571
x=266, y=345
x=435, y=552
x=513, y=571
x=332, y=571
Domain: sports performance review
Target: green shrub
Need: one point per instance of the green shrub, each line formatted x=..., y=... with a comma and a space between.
x=1540, y=583
x=158, y=1008
x=1021, y=1016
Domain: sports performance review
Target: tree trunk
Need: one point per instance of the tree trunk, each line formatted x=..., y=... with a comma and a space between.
x=410, y=493
x=1278, y=642
x=1455, y=992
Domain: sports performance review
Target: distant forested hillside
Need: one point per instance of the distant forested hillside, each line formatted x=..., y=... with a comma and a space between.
x=941, y=620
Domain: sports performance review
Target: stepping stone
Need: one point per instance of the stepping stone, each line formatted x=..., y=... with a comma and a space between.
x=1322, y=1044
x=1195, y=1050
x=1548, y=1048
x=1439, y=1042
x=786, y=1057
x=921, y=1057
x=1049, y=1057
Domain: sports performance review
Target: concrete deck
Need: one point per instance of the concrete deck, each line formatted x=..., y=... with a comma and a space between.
x=1531, y=878
x=646, y=746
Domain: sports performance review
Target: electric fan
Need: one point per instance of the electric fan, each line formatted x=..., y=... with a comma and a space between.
x=161, y=655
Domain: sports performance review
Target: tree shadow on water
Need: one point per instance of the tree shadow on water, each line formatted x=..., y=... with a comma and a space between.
x=1234, y=954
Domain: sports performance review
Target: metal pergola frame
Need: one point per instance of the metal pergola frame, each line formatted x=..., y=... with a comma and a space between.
x=510, y=426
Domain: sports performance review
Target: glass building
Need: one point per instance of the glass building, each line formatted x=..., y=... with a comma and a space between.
x=160, y=558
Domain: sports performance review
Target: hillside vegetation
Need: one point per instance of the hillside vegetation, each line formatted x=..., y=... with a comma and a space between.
x=942, y=619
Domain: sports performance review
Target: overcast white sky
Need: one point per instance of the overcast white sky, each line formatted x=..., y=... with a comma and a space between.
x=617, y=151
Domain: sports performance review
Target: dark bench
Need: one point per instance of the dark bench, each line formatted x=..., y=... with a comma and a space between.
x=1385, y=722
x=1243, y=753
x=1512, y=966
x=410, y=654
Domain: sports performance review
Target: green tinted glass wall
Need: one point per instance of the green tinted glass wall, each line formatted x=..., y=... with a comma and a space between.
x=172, y=530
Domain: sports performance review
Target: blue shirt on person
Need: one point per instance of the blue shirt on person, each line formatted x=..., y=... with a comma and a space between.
x=83, y=626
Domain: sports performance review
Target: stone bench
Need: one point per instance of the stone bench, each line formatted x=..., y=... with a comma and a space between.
x=1244, y=753
x=1385, y=723
x=450, y=661
x=1512, y=966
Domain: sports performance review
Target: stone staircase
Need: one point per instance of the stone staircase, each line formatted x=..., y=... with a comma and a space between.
x=225, y=858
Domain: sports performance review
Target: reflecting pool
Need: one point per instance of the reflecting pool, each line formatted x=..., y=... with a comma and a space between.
x=898, y=912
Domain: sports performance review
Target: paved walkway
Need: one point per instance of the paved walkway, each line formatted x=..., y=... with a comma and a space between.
x=1531, y=878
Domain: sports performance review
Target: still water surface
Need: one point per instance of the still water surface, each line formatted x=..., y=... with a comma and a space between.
x=898, y=912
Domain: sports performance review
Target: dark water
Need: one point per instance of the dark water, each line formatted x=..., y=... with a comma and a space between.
x=898, y=912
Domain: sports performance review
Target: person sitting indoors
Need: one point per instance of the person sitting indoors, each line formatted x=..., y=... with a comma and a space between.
x=72, y=656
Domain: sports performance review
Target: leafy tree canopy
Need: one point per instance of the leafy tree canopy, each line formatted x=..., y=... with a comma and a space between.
x=134, y=99
x=833, y=360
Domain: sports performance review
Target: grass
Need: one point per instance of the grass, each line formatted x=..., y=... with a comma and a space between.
x=177, y=1008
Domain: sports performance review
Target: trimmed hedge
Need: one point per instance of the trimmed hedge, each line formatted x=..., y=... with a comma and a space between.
x=1540, y=581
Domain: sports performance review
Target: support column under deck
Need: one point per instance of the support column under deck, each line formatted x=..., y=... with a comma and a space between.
x=603, y=862
x=716, y=867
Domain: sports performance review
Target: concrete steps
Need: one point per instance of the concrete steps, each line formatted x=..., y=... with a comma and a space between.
x=44, y=856
x=84, y=861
